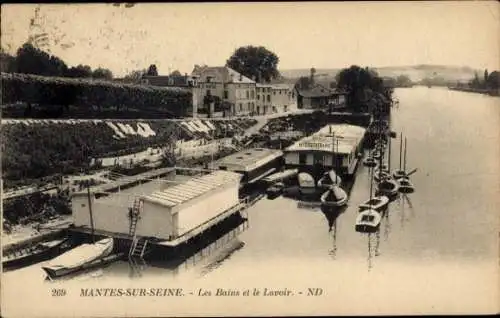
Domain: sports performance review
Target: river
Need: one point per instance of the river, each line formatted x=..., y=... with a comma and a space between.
x=437, y=251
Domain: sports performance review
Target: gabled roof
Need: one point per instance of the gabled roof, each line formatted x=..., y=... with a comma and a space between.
x=164, y=80
x=228, y=74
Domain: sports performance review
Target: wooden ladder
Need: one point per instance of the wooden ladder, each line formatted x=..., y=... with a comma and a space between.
x=138, y=248
x=134, y=217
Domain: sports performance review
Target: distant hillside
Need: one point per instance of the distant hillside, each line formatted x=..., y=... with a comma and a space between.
x=415, y=72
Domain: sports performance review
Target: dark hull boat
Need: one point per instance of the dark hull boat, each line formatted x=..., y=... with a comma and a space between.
x=368, y=221
x=37, y=253
x=334, y=197
x=370, y=162
x=398, y=174
x=328, y=179
x=275, y=190
x=405, y=186
x=376, y=203
x=281, y=176
x=79, y=258
x=380, y=175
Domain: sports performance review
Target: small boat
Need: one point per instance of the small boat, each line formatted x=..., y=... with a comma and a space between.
x=370, y=162
x=328, y=179
x=388, y=187
x=376, y=203
x=398, y=174
x=368, y=221
x=405, y=186
x=306, y=183
x=75, y=259
x=275, y=190
x=281, y=176
x=335, y=196
x=380, y=175
x=33, y=254
x=377, y=154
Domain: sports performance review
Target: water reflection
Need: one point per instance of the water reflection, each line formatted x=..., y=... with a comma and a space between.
x=332, y=214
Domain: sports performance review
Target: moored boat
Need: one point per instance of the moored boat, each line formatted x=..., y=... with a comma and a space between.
x=398, y=174
x=275, y=190
x=33, y=254
x=368, y=221
x=405, y=186
x=333, y=197
x=328, y=179
x=380, y=175
x=281, y=176
x=376, y=203
x=75, y=259
x=306, y=183
x=370, y=162
x=388, y=187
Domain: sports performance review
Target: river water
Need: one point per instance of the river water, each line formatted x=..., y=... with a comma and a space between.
x=437, y=250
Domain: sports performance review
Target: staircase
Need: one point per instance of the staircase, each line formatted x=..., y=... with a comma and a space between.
x=138, y=246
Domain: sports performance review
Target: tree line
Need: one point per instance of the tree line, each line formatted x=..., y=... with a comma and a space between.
x=31, y=60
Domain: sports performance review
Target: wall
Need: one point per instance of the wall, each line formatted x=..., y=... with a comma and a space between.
x=264, y=106
x=281, y=99
x=156, y=220
x=237, y=95
x=199, y=210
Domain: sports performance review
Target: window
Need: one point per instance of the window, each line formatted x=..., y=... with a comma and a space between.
x=226, y=94
x=209, y=79
x=248, y=94
x=274, y=93
x=241, y=107
x=269, y=98
x=258, y=96
x=252, y=94
x=208, y=92
x=302, y=158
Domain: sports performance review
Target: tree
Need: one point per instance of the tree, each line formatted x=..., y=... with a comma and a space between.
x=175, y=73
x=255, y=62
x=7, y=62
x=102, y=73
x=152, y=70
x=83, y=71
x=493, y=80
x=403, y=80
x=31, y=60
x=135, y=76
x=485, y=76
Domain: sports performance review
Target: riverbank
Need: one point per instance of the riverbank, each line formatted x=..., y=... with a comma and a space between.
x=490, y=92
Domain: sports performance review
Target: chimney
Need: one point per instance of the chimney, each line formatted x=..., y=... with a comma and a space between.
x=241, y=77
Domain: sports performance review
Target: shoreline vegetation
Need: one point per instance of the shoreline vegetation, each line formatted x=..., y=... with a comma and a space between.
x=490, y=92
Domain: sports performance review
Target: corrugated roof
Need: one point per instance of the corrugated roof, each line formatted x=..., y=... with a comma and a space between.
x=191, y=189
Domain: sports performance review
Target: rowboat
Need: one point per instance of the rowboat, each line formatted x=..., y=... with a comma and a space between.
x=377, y=154
x=328, y=179
x=77, y=258
x=306, y=183
x=35, y=253
x=405, y=186
x=370, y=162
x=335, y=196
x=275, y=190
x=388, y=187
x=368, y=221
x=376, y=203
x=398, y=174
x=281, y=176
x=380, y=175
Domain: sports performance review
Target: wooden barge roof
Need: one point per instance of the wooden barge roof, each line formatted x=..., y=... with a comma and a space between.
x=249, y=159
x=178, y=194
x=347, y=138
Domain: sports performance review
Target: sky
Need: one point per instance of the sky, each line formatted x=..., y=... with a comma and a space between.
x=303, y=35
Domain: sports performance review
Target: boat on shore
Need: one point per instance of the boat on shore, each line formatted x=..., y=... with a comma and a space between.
x=77, y=258
x=328, y=179
x=368, y=221
x=36, y=253
x=334, y=197
x=307, y=185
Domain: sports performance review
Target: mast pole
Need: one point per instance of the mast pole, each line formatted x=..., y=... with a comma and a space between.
x=90, y=212
x=389, y=155
x=405, y=158
x=400, y=149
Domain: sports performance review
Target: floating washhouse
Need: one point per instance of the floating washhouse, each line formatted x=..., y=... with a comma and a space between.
x=334, y=146
x=159, y=217
x=253, y=164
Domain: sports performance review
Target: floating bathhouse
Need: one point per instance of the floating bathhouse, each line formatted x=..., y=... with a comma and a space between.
x=163, y=215
x=253, y=164
x=333, y=146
